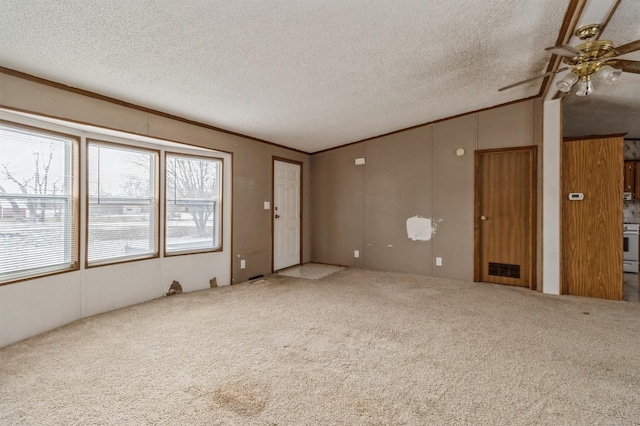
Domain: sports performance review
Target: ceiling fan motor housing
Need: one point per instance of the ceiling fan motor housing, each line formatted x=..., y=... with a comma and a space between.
x=587, y=31
x=592, y=51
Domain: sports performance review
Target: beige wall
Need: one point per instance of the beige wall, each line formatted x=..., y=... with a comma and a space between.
x=337, y=192
x=407, y=174
x=252, y=160
x=452, y=178
x=365, y=208
x=396, y=188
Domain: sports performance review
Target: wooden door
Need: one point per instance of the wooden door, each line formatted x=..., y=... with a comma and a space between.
x=592, y=226
x=286, y=214
x=505, y=219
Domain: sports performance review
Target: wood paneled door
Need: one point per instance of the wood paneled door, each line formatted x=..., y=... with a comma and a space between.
x=505, y=216
x=592, y=184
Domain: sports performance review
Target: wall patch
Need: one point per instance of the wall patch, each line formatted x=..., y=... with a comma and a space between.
x=419, y=228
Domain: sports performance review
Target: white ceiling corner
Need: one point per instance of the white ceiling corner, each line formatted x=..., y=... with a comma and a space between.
x=309, y=75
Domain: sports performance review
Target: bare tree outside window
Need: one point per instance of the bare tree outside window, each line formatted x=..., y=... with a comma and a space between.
x=192, y=191
x=38, y=187
x=122, y=202
x=135, y=186
x=34, y=181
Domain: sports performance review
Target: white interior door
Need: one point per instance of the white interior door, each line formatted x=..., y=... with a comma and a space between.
x=286, y=214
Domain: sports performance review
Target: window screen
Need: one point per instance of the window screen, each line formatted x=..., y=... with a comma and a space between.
x=38, y=202
x=192, y=203
x=122, y=193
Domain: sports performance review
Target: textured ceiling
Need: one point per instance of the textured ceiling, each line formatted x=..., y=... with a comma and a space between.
x=615, y=108
x=305, y=74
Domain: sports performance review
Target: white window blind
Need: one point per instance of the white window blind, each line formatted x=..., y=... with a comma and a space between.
x=193, y=194
x=123, y=203
x=38, y=202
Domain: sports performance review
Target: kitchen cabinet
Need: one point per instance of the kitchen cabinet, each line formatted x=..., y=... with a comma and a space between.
x=630, y=181
x=632, y=178
x=636, y=185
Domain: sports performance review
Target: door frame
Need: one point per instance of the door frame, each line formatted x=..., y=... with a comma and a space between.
x=533, y=212
x=273, y=193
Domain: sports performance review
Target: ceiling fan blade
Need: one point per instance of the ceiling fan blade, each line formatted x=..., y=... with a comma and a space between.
x=625, y=65
x=532, y=79
x=565, y=50
x=621, y=50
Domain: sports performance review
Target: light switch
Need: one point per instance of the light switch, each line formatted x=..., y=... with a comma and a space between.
x=267, y=205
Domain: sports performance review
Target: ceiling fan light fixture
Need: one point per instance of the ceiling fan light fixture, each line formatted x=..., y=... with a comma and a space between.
x=608, y=74
x=593, y=56
x=585, y=87
x=567, y=82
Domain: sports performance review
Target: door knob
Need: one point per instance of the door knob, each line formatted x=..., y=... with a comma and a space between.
x=483, y=217
x=277, y=216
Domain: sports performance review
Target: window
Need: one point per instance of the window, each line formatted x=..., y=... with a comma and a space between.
x=193, y=190
x=123, y=203
x=44, y=228
x=38, y=202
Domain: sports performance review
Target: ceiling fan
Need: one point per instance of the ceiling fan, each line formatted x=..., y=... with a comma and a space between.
x=593, y=57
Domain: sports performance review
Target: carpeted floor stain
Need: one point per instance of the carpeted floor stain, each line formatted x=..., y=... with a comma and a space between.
x=242, y=398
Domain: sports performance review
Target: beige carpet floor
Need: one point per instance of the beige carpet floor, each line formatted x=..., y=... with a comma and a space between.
x=311, y=271
x=353, y=348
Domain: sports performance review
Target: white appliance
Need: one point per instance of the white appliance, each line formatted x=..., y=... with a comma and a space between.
x=630, y=234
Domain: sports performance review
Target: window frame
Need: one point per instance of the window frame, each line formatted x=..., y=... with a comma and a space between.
x=74, y=198
x=220, y=224
x=156, y=205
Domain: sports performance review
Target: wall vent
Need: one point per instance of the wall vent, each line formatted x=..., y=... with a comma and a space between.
x=504, y=270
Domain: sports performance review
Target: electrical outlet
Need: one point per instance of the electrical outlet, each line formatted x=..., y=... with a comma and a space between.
x=438, y=261
x=356, y=253
x=243, y=264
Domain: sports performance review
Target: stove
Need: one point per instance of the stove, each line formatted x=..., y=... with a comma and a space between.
x=630, y=234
